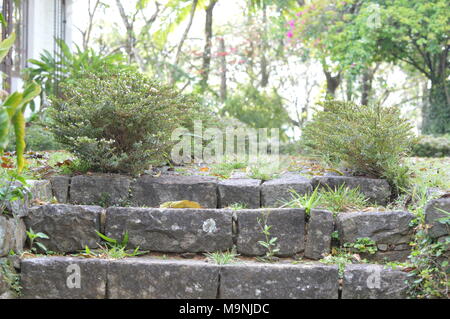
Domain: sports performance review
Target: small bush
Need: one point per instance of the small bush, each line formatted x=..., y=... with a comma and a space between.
x=120, y=120
x=370, y=140
x=37, y=138
x=430, y=146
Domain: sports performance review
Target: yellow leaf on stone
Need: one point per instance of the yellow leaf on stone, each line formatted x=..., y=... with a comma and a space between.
x=181, y=204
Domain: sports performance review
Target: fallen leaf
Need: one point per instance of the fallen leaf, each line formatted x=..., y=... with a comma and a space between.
x=66, y=162
x=181, y=204
x=157, y=174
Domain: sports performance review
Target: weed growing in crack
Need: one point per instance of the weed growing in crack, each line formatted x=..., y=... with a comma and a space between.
x=336, y=200
x=113, y=248
x=237, y=206
x=222, y=258
x=33, y=237
x=270, y=242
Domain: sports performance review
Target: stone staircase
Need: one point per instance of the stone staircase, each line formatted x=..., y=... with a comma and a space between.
x=178, y=238
x=144, y=277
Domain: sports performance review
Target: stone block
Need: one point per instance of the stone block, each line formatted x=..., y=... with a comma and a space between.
x=153, y=191
x=69, y=227
x=145, y=278
x=63, y=278
x=318, y=239
x=287, y=225
x=278, y=281
x=370, y=281
x=276, y=192
x=240, y=191
x=172, y=230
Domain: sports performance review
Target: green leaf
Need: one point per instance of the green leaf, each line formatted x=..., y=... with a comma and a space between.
x=125, y=240
x=106, y=238
x=41, y=246
x=6, y=45
x=4, y=128
x=19, y=129
x=42, y=235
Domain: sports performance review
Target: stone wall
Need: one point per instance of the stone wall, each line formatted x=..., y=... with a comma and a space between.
x=210, y=192
x=142, y=278
x=12, y=226
x=439, y=230
x=177, y=230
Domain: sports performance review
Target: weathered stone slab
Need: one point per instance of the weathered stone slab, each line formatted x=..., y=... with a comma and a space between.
x=172, y=230
x=276, y=192
x=38, y=190
x=434, y=211
x=367, y=281
x=391, y=231
x=318, y=239
x=69, y=227
x=104, y=190
x=287, y=224
x=145, y=278
x=153, y=191
x=278, y=281
x=382, y=227
x=244, y=191
x=12, y=235
x=60, y=187
x=63, y=278
x=376, y=190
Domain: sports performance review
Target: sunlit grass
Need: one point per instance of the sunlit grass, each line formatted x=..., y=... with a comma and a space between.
x=430, y=172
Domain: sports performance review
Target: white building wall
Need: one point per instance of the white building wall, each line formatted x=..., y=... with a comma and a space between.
x=41, y=30
x=41, y=26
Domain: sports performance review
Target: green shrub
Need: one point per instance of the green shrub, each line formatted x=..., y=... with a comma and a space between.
x=120, y=120
x=370, y=140
x=39, y=138
x=292, y=148
x=431, y=146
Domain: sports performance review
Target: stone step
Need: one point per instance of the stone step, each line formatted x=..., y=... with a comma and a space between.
x=149, y=277
x=210, y=192
x=72, y=227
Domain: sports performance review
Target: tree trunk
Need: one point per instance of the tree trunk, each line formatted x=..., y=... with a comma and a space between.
x=332, y=84
x=129, y=47
x=263, y=49
x=183, y=39
x=367, y=79
x=223, y=71
x=206, y=63
x=436, y=118
x=7, y=29
x=86, y=34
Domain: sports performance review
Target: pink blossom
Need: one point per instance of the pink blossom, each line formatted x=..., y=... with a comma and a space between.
x=298, y=14
x=292, y=23
x=290, y=34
